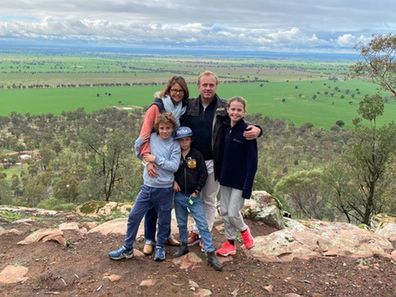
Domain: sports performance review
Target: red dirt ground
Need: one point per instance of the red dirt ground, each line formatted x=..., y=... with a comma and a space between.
x=78, y=270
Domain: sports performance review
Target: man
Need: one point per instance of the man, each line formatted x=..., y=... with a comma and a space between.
x=205, y=115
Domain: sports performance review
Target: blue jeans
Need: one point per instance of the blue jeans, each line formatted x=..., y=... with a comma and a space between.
x=198, y=213
x=148, y=197
x=150, y=227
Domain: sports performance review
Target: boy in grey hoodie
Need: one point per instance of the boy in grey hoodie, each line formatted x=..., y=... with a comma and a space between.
x=156, y=191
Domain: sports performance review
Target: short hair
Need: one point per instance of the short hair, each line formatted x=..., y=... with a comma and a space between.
x=239, y=99
x=176, y=80
x=208, y=73
x=165, y=118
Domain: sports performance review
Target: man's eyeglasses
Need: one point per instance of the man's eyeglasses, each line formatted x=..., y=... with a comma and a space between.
x=177, y=91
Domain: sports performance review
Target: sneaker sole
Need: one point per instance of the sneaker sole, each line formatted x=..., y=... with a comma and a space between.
x=159, y=259
x=227, y=254
x=121, y=257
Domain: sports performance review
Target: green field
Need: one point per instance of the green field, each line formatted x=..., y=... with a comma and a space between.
x=292, y=101
x=298, y=92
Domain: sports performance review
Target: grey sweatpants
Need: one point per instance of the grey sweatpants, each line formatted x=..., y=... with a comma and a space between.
x=231, y=203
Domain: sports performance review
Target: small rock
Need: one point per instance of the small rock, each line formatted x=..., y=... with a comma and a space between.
x=13, y=274
x=203, y=293
x=193, y=284
x=292, y=295
x=269, y=288
x=11, y=231
x=23, y=221
x=69, y=226
x=190, y=260
x=394, y=255
x=148, y=283
x=113, y=277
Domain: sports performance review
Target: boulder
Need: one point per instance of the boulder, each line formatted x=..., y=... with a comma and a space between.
x=116, y=226
x=384, y=225
x=44, y=235
x=265, y=208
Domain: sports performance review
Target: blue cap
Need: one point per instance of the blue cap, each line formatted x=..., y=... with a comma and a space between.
x=183, y=132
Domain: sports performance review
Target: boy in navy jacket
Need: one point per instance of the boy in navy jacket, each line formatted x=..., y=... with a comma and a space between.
x=189, y=180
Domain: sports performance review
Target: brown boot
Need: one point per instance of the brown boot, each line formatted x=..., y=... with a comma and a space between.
x=148, y=249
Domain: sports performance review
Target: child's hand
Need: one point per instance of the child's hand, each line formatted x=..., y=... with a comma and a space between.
x=176, y=186
x=149, y=158
x=152, y=170
x=145, y=137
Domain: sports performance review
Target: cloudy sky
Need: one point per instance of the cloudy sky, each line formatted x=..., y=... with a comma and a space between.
x=297, y=25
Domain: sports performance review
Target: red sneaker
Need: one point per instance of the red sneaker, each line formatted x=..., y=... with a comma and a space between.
x=248, y=240
x=226, y=249
x=193, y=238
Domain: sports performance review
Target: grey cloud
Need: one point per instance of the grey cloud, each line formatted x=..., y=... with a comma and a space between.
x=248, y=23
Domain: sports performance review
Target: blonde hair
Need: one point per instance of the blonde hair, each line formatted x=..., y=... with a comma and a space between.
x=239, y=99
x=208, y=73
x=165, y=118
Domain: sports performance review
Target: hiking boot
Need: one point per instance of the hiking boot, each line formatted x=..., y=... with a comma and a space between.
x=193, y=238
x=248, y=240
x=159, y=254
x=148, y=249
x=214, y=261
x=226, y=249
x=183, y=249
x=172, y=241
x=121, y=253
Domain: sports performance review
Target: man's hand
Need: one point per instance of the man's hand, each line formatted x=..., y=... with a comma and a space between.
x=152, y=169
x=251, y=132
x=176, y=186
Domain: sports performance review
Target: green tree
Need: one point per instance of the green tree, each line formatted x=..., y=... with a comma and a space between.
x=109, y=152
x=379, y=62
x=301, y=191
x=366, y=164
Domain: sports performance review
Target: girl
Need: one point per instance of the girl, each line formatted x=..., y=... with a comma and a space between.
x=238, y=167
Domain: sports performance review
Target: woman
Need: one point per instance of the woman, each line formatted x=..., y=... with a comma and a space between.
x=173, y=98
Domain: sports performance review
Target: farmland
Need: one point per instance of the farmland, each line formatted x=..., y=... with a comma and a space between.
x=299, y=92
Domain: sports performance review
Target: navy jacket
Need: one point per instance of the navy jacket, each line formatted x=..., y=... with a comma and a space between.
x=205, y=124
x=238, y=159
x=192, y=173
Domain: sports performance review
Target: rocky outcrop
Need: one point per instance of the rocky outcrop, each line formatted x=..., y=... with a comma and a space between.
x=310, y=239
x=265, y=208
x=385, y=226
